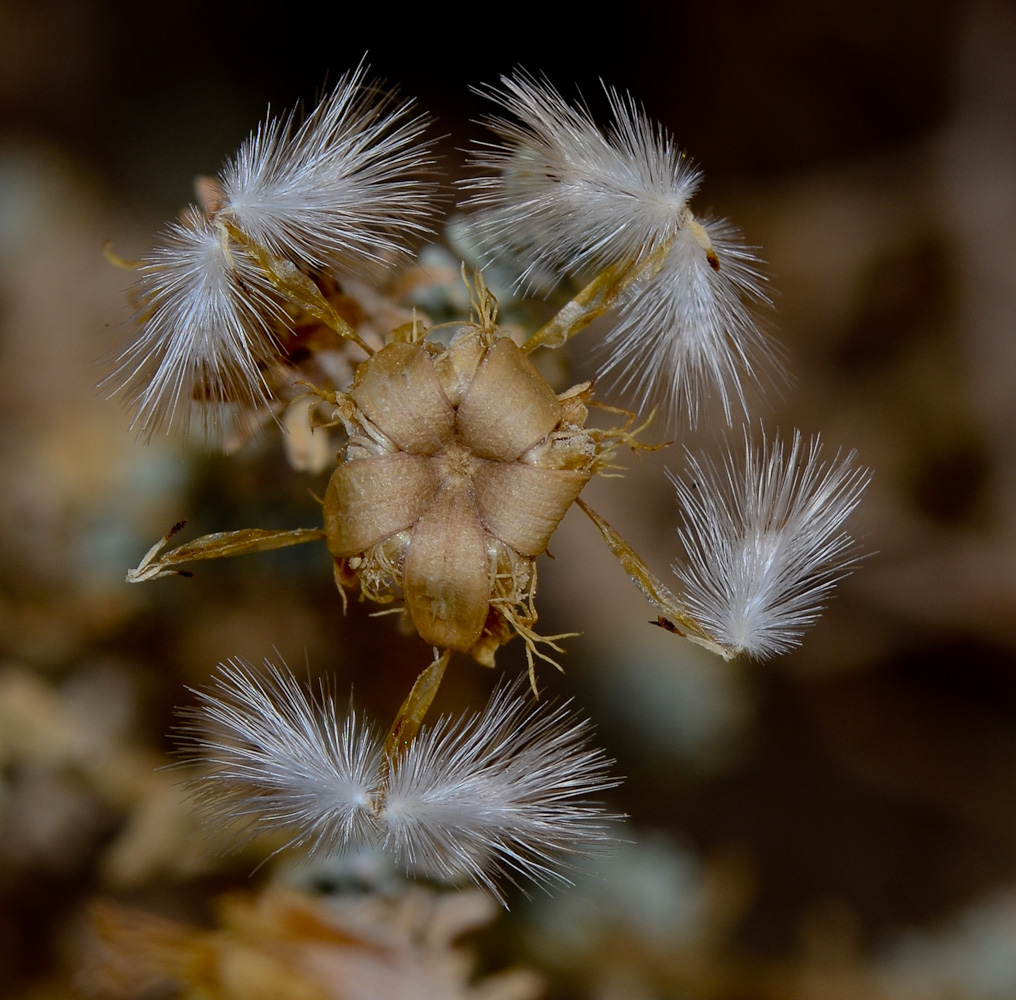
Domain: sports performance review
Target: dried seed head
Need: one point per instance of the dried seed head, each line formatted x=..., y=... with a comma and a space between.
x=461, y=463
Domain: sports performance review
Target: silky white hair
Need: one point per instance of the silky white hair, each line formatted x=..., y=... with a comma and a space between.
x=764, y=540
x=502, y=794
x=565, y=195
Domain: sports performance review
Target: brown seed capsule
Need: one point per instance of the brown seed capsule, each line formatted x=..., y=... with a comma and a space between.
x=460, y=465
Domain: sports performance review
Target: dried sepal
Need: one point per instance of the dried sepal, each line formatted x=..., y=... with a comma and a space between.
x=523, y=504
x=446, y=578
x=369, y=499
x=399, y=392
x=508, y=407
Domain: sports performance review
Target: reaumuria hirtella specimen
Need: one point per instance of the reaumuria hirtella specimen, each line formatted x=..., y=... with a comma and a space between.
x=272, y=303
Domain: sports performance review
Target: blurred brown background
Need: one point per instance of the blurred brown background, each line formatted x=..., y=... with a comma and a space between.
x=856, y=800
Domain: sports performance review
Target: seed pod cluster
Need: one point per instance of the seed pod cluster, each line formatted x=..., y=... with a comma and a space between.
x=460, y=464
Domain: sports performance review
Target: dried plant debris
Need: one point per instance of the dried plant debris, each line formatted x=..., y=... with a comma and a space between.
x=288, y=945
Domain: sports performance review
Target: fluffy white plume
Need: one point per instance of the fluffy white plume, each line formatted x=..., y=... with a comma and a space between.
x=684, y=331
x=282, y=757
x=568, y=196
x=338, y=192
x=503, y=794
x=208, y=321
x=342, y=187
x=764, y=541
